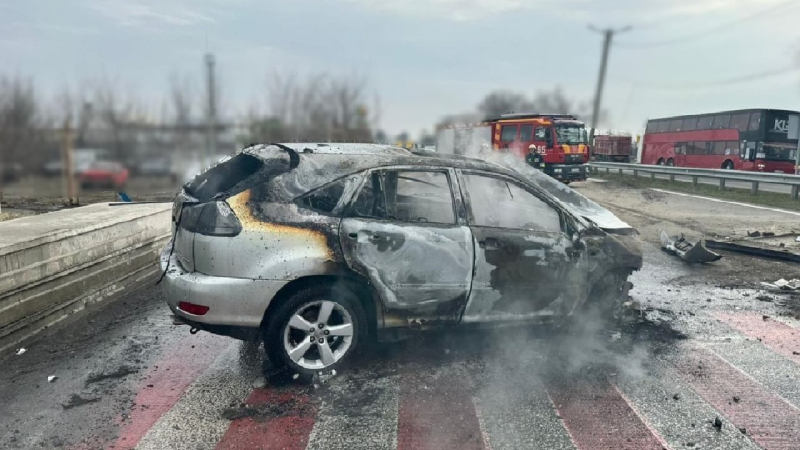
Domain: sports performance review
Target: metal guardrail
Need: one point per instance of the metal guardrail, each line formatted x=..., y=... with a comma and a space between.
x=754, y=178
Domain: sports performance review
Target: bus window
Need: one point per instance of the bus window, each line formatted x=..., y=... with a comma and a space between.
x=525, y=132
x=755, y=121
x=739, y=121
x=508, y=133
x=704, y=122
x=718, y=148
x=722, y=121
x=698, y=148
x=651, y=126
x=680, y=148
x=663, y=126
x=675, y=125
x=731, y=147
x=689, y=124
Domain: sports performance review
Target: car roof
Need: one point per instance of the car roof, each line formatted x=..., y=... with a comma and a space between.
x=364, y=156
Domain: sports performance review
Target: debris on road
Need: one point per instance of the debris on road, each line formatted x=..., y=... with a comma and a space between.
x=676, y=397
x=718, y=423
x=692, y=253
x=51, y=378
x=21, y=351
x=784, y=285
x=753, y=250
x=764, y=298
x=736, y=399
x=78, y=400
x=259, y=383
x=262, y=412
x=121, y=372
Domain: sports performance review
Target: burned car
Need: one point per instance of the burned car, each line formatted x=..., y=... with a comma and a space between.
x=320, y=248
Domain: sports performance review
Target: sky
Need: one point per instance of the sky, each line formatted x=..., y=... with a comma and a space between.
x=422, y=58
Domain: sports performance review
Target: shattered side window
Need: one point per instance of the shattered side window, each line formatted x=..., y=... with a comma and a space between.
x=422, y=197
x=323, y=199
x=501, y=204
x=369, y=203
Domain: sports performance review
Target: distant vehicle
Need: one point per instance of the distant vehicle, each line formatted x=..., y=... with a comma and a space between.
x=616, y=148
x=82, y=158
x=319, y=249
x=555, y=143
x=747, y=139
x=159, y=167
x=107, y=174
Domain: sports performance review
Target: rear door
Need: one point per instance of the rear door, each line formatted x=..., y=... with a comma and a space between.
x=405, y=232
x=525, y=263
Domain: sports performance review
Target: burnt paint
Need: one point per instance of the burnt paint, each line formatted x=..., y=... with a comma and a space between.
x=523, y=273
x=420, y=271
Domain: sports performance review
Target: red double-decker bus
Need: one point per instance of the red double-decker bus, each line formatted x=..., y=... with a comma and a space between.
x=747, y=139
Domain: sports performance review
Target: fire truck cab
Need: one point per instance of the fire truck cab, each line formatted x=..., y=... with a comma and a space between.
x=556, y=144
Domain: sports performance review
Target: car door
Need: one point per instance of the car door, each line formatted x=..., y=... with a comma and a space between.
x=405, y=231
x=525, y=263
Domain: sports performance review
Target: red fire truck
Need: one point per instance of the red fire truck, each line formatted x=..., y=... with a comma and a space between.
x=616, y=148
x=555, y=143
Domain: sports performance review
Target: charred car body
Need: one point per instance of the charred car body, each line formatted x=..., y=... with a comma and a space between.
x=317, y=248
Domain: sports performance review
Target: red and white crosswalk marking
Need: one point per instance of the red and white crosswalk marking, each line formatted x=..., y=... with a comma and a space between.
x=461, y=405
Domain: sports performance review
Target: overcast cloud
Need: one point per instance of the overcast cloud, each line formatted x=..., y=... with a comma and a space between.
x=424, y=58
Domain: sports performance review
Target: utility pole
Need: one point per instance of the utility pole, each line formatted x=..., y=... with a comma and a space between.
x=608, y=34
x=211, y=119
x=68, y=163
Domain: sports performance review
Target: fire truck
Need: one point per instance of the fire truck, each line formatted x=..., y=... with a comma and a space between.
x=557, y=144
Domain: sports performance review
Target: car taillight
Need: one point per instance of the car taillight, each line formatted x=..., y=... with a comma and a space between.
x=210, y=219
x=191, y=308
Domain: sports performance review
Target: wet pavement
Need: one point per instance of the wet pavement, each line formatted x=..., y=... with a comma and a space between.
x=708, y=361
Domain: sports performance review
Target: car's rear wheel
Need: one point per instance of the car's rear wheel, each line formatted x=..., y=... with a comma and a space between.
x=318, y=328
x=608, y=296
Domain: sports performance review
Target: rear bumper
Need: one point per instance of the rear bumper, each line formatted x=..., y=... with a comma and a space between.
x=232, y=302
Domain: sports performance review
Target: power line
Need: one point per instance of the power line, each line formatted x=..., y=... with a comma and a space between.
x=710, y=30
x=736, y=80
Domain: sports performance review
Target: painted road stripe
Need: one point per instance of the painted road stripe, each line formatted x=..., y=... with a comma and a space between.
x=437, y=412
x=169, y=378
x=286, y=427
x=676, y=413
x=767, y=419
x=196, y=421
x=748, y=205
x=357, y=412
x=515, y=412
x=776, y=373
x=778, y=336
x=598, y=417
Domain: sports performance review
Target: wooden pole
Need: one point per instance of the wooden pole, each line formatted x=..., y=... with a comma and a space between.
x=69, y=168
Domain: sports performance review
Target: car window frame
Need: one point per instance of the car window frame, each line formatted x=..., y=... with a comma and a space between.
x=566, y=227
x=350, y=182
x=457, y=199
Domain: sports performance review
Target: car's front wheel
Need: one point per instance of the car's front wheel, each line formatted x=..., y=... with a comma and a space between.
x=318, y=328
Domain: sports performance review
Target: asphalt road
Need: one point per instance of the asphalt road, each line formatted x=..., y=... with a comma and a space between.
x=706, y=344
x=778, y=188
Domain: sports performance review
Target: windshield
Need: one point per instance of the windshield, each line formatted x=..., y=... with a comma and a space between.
x=571, y=134
x=779, y=153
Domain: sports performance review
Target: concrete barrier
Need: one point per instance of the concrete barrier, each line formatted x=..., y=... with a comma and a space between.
x=54, y=265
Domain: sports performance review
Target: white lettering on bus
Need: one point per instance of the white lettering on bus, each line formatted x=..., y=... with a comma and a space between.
x=781, y=126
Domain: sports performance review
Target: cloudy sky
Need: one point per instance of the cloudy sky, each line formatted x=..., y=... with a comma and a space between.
x=423, y=58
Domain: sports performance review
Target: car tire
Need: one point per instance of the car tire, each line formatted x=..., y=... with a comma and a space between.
x=281, y=332
x=608, y=296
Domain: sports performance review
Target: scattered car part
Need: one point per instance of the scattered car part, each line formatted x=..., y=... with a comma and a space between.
x=784, y=285
x=782, y=255
x=692, y=253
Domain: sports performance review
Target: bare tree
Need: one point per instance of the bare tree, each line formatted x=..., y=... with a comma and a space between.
x=20, y=124
x=117, y=113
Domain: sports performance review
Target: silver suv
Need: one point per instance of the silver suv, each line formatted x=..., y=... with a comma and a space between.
x=319, y=248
